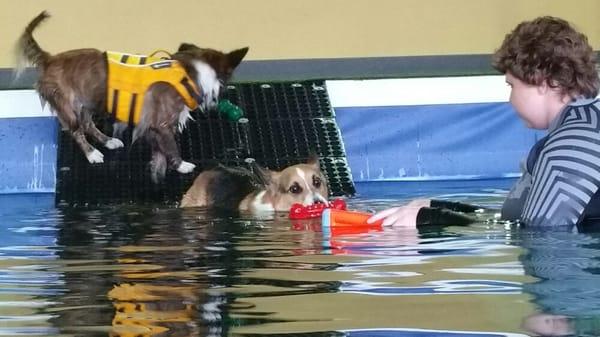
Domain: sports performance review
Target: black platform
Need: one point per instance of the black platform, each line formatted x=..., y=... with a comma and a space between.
x=286, y=121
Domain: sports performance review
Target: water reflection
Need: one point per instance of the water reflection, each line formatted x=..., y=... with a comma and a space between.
x=28, y=282
x=159, y=271
x=149, y=272
x=567, y=293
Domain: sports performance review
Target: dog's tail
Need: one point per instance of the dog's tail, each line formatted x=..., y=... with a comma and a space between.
x=158, y=167
x=28, y=50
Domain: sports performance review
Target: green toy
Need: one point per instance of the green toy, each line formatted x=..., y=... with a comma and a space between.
x=230, y=110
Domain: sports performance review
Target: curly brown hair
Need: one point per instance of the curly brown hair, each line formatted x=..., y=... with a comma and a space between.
x=549, y=49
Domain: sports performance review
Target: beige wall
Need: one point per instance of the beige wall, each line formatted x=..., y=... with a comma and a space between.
x=287, y=29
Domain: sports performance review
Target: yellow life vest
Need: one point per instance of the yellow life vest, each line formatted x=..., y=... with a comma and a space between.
x=130, y=76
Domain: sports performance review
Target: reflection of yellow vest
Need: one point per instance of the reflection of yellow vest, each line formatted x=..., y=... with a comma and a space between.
x=130, y=76
x=138, y=310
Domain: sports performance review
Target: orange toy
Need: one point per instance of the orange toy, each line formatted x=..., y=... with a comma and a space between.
x=337, y=221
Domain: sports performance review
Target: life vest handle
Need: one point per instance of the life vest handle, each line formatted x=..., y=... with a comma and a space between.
x=158, y=51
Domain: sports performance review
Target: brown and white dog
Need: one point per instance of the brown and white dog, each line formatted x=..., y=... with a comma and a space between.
x=74, y=83
x=258, y=190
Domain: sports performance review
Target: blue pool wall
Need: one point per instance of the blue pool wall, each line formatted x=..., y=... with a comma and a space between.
x=428, y=129
x=28, y=144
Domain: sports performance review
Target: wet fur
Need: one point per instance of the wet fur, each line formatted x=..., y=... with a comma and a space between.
x=222, y=188
x=73, y=83
x=256, y=190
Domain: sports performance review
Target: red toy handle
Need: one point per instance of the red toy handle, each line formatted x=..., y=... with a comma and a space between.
x=298, y=211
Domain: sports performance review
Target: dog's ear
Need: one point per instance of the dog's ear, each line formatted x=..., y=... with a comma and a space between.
x=274, y=177
x=187, y=46
x=313, y=160
x=235, y=57
x=263, y=176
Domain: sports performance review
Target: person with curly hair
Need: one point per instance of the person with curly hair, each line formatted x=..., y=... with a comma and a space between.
x=551, y=70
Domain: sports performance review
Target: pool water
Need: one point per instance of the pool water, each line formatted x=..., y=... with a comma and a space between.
x=162, y=271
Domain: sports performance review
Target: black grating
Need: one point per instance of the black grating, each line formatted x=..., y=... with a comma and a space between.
x=287, y=121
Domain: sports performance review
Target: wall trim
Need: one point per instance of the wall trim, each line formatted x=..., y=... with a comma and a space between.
x=334, y=68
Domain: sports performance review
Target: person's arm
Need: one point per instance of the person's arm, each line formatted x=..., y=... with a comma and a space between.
x=424, y=212
x=443, y=217
x=454, y=206
x=565, y=177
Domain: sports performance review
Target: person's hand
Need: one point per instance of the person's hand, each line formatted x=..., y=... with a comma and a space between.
x=548, y=325
x=405, y=216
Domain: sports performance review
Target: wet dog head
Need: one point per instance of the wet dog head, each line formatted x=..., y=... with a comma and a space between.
x=210, y=68
x=302, y=183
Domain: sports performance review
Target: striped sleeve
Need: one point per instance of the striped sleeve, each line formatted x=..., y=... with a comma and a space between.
x=567, y=172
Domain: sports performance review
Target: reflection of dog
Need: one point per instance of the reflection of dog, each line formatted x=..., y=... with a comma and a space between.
x=156, y=98
x=261, y=190
x=143, y=309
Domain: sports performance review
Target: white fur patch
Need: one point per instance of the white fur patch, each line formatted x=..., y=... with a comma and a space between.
x=184, y=116
x=308, y=199
x=114, y=143
x=209, y=84
x=185, y=167
x=259, y=205
x=95, y=157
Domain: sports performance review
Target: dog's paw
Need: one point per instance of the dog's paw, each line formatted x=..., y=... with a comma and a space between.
x=95, y=157
x=185, y=167
x=114, y=143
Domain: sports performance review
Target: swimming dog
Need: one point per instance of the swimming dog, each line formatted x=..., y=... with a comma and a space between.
x=156, y=96
x=259, y=189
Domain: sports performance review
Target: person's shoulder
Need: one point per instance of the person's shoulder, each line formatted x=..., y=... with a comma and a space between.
x=579, y=120
x=584, y=112
x=579, y=131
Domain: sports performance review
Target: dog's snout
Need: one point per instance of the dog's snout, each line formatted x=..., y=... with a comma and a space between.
x=319, y=199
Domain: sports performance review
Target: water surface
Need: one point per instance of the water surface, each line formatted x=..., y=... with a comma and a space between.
x=162, y=271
